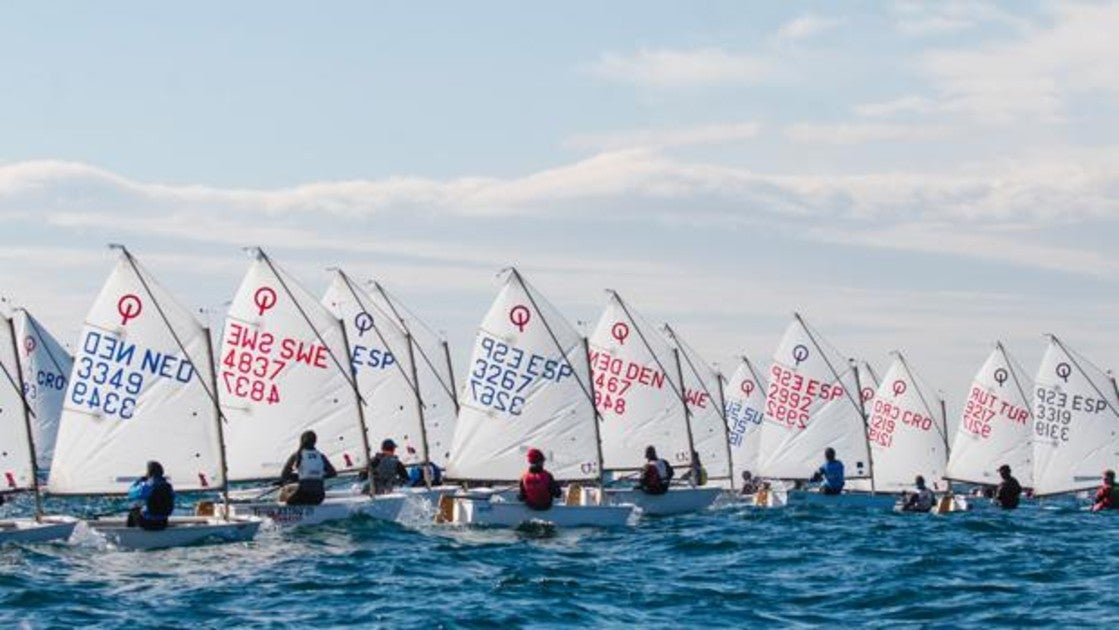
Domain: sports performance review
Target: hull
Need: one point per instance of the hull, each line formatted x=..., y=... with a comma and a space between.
x=675, y=501
x=182, y=532
x=864, y=500
x=28, y=530
x=489, y=512
x=334, y=508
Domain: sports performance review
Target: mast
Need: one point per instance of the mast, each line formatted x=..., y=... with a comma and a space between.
x=450, y=374
x=597, y=417
x=218, y=423
x=17, y=382
x=360, y=409
x=866, y=431
x=687, y=417
x=419, y=398
x=726, y=427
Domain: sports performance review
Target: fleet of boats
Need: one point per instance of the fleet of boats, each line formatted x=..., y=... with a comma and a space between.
x=357, y=367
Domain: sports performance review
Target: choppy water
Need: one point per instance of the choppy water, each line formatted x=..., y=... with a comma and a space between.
x=731, y=566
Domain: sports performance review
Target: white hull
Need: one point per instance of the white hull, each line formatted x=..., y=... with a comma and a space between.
x=181, y=532
x=492, y=512
x=382, y=507
x=675, y=501
x=28, y=530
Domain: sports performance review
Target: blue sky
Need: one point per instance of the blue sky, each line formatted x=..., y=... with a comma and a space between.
x=920, y=176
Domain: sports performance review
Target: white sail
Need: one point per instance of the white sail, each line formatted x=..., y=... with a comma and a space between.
x=703, y=393
x=996, y=425
x=281, y=371
x=16, y=472
x=46, y=369
x=526, y=387
x=745, y=404
x=381, y=360
x=1076, y=422
x=905, y=431
x=636, y=391
x=811, y=404
x=137, y=393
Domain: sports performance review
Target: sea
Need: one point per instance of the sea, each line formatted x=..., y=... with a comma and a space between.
x=732, y=566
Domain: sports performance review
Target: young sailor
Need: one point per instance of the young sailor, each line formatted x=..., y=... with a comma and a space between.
x=386, y=470
x=538, y=486
x=831, y=473
x=1107, y=497
x=657, y=474
x=428, y=474
x=304, y=474
x=921, y=499
x=156, y=497
x=696, y=474
x=1009, y=491
x=750, y=485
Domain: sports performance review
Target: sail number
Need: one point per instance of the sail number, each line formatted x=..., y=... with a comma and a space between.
x=1053, y=412
x=614, y=377
x=105, y=381
x=790, y=396
x=501, y=374
x=741, y=419
x=983, y=406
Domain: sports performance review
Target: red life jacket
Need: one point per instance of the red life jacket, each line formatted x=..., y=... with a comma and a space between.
x=537, y=489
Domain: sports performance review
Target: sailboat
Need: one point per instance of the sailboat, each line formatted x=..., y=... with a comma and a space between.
x=283, y=370
x=639, y=391
x=996, y=425
x=387, y=361
x=813, y=401
x=744, y=397
x=143, y=388
x=18, y=464
x=907, y=432
x=45, y=365
x=703, y=393
x=528, y=387
x=1076, y=422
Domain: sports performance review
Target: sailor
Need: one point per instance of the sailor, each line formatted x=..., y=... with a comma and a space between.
x=304, y=474
x=697, y=474
x=538, y=486
x=429, y=474
x=386, y=470
x=1107, y=497
x=156, y=497
x=1009, y=491
x=749, y=483
x=657, y=474
x=920, y=500
x=831, y=473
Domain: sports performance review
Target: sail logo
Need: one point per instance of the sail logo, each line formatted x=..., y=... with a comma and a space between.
x=1001, y=376
x=129, y=307
x=29, y=345
x=747, y=387
x=363, y=322
x=800, y=354
x=899, y=387
x=1064, y=370
x=620, y=332
x=264, y=299
x=519, y=315
x=866, y=394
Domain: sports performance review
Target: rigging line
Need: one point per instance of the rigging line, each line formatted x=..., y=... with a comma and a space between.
x=11, y=380
x=1014, y=368
x=38, y=331
x=345, y=374
x=857, y=404
x=692, y=367
x=212, y=395
x=447, y=389
x=678, y=391
x=399, y=366
x=1072, y=358
x=913, y=377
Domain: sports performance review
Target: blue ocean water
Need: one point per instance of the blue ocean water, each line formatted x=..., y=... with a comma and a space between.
x=729, y=567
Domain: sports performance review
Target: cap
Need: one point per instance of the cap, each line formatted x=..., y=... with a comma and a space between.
x=535, y=456
x=1004, y=468
x=388, y=445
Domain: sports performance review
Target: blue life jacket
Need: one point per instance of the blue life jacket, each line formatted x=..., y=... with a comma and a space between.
x=157, y=496
x=833, y=474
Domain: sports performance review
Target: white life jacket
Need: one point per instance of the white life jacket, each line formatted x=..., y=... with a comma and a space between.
x=311, y=467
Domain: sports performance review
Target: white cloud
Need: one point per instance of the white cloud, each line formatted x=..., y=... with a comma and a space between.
x=665, y=138
x=680, y=68
x=935, y=17
x=807, y=26
x=910, y=104
x=860, y=133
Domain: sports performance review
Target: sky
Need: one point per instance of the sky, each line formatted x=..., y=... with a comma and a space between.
x=923, y=177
